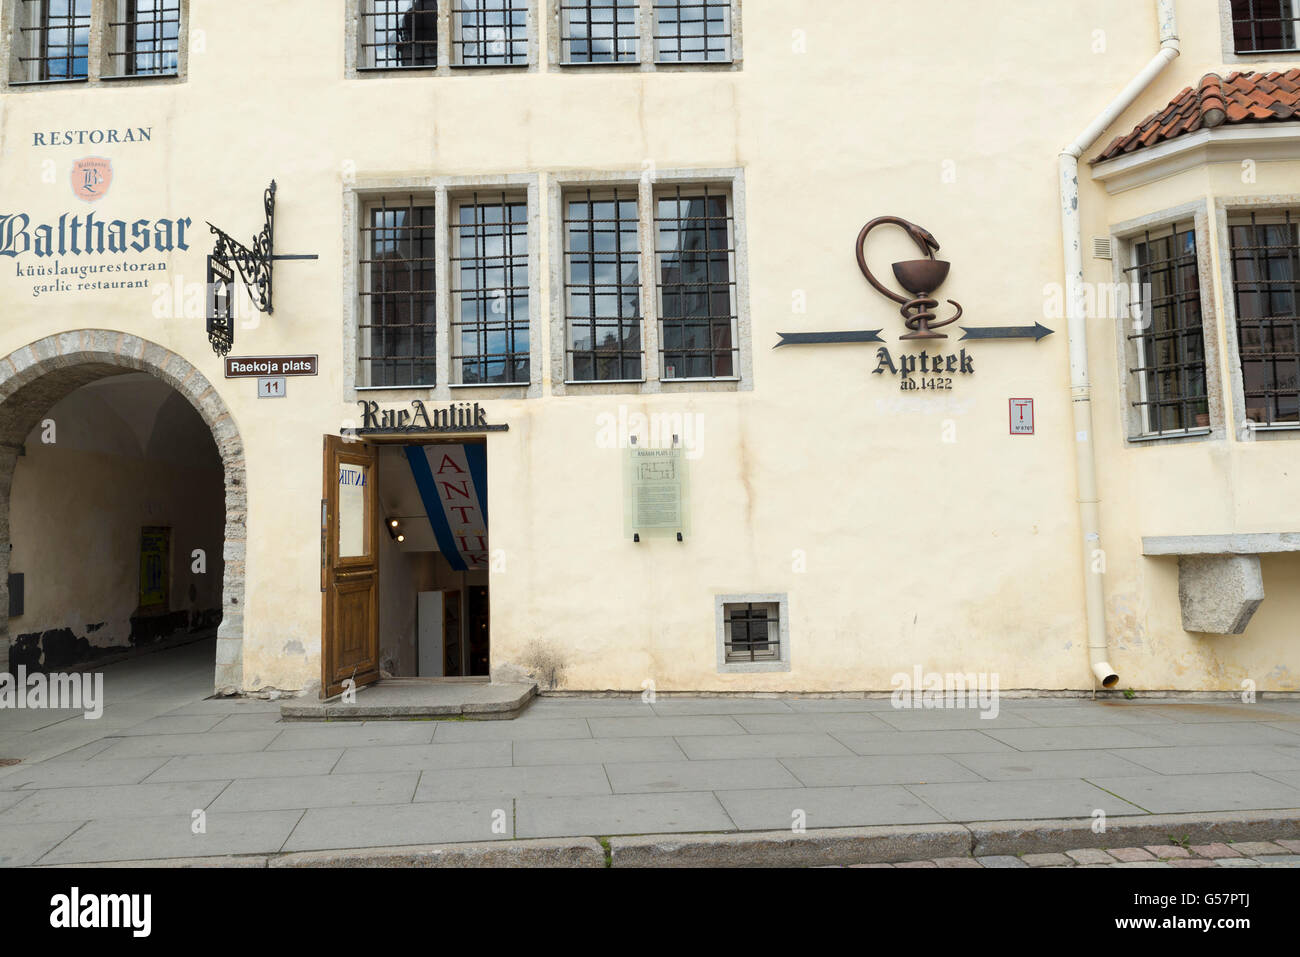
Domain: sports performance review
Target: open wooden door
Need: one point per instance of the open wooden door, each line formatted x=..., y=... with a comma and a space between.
x=349, y=567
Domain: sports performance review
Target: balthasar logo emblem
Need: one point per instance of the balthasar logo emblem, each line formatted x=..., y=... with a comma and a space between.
x=921, y=277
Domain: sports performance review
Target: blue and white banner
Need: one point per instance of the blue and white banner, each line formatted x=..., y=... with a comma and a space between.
x=452, y=480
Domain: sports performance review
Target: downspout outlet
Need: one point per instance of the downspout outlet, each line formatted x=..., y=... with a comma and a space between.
x=1106, y=675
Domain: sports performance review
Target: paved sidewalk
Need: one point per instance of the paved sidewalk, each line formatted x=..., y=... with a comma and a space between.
x=130, y=786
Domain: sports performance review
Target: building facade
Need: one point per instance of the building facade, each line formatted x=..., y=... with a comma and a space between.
x=543, y=337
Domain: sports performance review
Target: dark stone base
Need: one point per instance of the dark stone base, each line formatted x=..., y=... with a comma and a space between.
x=61, y=650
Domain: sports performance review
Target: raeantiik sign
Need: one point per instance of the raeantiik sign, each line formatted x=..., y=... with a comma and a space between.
x=921, y=278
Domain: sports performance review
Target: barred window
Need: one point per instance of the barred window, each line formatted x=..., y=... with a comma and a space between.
x=1264, y=26
x=397, y=34
x=1168, y=352
x=489, y=269
x=399, y=316
x=752, y=631
x=53, y=39
x=1266, y=285
x=491, y=32
x=603, y=285
x=695, y=255
x=599, y=31
x=145, y=37
x=692, y=31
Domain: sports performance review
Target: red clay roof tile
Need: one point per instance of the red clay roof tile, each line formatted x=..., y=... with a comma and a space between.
x=1240, y=98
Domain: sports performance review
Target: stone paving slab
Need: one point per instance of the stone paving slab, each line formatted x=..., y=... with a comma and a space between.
x=449, y=822
x=321, y=790
x=1171, y=794
x=671, y=726
x=669, y=707
x=169, y=745
x=920, y=742
x=991, y=800
x=1221, y=733
x=1025, y=765
x=966, y=719
x=1215, y=759
x=664, y=776
x=227, y=767
x=71, y=774
x=23, y=844
x=877, y=769
x=863, y=721
x=826, y=807
x=1100, y=737
x=424, y=757
x=449, y=732
x=172, y=836
x=471, y=784
x=722, y=747
x=597, y=751
x=112, y=801
x=348, y=734
x=620, y=814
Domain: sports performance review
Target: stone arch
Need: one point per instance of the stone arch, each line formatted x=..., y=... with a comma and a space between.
x=40, y=374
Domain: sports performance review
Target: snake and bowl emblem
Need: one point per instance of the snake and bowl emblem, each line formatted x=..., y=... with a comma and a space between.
x=920, y=277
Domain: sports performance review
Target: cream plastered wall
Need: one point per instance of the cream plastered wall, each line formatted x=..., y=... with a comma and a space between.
x=906, y=528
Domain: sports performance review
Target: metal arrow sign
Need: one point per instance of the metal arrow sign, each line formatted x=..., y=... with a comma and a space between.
x=813, y=338
x=1036, y=332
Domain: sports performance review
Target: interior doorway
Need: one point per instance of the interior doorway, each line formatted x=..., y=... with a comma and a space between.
x=405, y=573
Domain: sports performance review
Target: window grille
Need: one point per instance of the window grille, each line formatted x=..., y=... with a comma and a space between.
x=399, y=315
x=603, y=285
x=398, y=34
x=1266, y=284
x=692, y=31
x=146, y=38
x=490, y=291
x=599, y=31
x=753, y=632
x=54, y=39
x=1264, y=26
x=491, y=32
x=1168, y=338
x=695, y=254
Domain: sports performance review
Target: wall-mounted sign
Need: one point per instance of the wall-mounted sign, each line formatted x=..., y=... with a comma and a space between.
x=420, y=419
x=1022, y=416
x=654, y=493
x=927, y=370
x=272, y=387
x=91, y=178
x=253, y=367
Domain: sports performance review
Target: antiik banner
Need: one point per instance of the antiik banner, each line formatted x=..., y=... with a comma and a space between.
x=452, y=480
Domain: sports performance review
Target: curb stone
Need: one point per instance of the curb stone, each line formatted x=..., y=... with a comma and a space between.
x=866, y=845
x=546, y=852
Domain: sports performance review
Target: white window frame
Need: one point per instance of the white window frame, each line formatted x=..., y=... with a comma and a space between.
x=781, y=662
x=1229, y=37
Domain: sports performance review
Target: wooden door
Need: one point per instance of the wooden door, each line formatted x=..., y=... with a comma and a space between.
x=349, y=567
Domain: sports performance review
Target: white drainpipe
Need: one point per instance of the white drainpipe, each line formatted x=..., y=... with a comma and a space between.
x=1080, y=385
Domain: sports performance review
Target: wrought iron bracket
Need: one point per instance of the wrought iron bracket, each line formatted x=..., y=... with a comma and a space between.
x=254, y=266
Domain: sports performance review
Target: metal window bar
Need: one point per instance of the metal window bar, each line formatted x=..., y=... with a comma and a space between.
x=696, y=256
x=1170, y=345
x=490, y=291
x=603, y=285
x=599, y=31
x=398, y=326
x=54, y=39
x=146, y=40
x=753, y=632
x=490, y=33
x=1264, y=26
x=692, y=31
x=399, y=34
x=1266, y=289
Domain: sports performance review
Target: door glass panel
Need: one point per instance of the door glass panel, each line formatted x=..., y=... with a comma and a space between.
x=353, y=483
